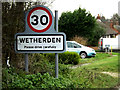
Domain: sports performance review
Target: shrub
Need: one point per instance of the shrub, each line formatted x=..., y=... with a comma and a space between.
x=69, y=58
x=64, y=69
x=64, y=58
x=50, y=56
x=9, y=75
x=33, y=81
x=38, y=63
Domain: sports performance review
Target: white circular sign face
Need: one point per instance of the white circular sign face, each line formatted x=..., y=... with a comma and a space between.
x=39, y=19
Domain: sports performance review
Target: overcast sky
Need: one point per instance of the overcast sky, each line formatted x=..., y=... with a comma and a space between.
x=103, y=7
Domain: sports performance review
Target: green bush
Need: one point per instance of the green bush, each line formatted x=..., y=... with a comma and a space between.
x=50, y=56
x=37, y=81
x=33, y=81
x=38, y=63
x=64, y=58
x=69, y=58
x=9, y=75
x=64, y=69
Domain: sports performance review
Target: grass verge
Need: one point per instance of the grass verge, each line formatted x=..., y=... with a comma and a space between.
x=90, y=76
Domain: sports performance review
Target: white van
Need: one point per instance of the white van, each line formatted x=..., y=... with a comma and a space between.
x=109, y=43
x=83, y=51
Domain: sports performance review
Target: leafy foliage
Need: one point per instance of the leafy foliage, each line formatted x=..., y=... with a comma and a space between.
x=80, y=23
x=39, y=64
x=69, y=58
x=115, y=18
x=14, y=80
x=65, y=58
x=82, y=77
x=98, y=32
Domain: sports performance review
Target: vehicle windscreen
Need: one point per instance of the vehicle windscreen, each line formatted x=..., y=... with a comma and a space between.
x=73, y=45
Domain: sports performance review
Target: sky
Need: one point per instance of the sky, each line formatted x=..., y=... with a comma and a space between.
x=103, y=7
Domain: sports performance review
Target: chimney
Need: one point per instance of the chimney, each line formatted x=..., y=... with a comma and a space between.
x=111, y=24
x=98, y=17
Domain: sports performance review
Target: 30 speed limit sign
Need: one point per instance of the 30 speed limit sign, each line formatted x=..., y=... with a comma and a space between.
x=39, y=35
x=39, y=19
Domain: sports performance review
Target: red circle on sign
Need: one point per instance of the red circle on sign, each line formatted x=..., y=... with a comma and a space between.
x=50, y=19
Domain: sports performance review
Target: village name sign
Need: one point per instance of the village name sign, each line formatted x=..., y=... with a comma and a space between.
x=39, y=35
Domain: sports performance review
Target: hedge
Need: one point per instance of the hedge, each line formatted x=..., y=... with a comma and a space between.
x=64, y=58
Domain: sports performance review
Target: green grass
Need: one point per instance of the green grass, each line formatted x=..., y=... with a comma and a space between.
x=108, y=64
x=98, y=56
x=91, y=79
x=90, y=76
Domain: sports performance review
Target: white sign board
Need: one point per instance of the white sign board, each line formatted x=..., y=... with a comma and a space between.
x=40, y=43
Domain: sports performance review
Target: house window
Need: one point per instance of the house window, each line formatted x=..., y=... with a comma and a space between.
x=104, y=36
x=112, y=36
x=107, y=36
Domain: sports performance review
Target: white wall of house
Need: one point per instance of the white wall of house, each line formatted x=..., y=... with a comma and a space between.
x=114, y=43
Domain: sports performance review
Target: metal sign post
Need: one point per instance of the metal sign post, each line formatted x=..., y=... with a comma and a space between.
x=56, y=54
x=26, y=62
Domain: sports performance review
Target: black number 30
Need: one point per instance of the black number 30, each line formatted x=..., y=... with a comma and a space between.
x=36, y=18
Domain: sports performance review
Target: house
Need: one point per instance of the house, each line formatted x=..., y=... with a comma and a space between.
x=111, y=39
x=112, y=28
